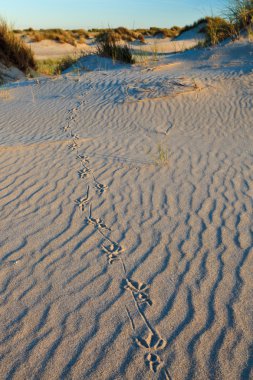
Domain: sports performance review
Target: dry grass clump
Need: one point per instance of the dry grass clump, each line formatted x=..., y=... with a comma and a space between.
x=126, y=34
x=163, y=157
x=194, y=25
x=72, y=37
x=218, y=29
x=120, y=33
x=55, y=66
x=153, y=31
x=13, y=51
x=58, y=35
x=108, y=45
x=165, y=32
x=240, y=14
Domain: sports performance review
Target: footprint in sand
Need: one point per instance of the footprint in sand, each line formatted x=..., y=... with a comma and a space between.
x=65, y=129
x=152, y=343
x=140, y=291
x=85, y=172
x=73, y=146
x=100, y=187
x=84, y=159
x=153, y=361
x=113, y=251
x=97, y=222
x=82, y=202
x=75, y=136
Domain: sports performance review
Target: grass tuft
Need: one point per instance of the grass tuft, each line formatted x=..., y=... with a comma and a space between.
x=108, y=45
x=13, y=51
x=240, y=13
x=55, y=66
x=219, y=29
x=163, y=157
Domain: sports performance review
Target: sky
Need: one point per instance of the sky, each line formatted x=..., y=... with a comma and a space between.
x=71, y=14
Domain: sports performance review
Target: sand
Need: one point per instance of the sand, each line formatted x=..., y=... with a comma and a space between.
x=149, y=275
x=51, y=49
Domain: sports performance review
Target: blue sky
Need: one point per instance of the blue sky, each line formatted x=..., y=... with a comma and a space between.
x=103, y=13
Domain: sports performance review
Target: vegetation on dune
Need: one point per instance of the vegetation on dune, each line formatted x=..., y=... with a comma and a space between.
x=55, y=66
x=71, y=37
x=240, y=12
x=14, y=51
x=114, y=43
x=218, y=29
x=140, y=33
x=108, y=45
x=239, y=17
x=194, y=25
x=165, y=32
x=120, y=33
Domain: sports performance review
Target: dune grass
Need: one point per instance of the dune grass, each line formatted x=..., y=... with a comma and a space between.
x=239, y=17
x=108, y=45
x=186, y=28
x=55, y=66
x=14, y=51
x=240, y=13
x=219, y=29
x=72, y=37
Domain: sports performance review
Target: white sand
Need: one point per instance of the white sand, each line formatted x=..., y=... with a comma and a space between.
x=186, y=225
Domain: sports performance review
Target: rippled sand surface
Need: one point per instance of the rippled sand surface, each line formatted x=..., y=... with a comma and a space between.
x=149, y=276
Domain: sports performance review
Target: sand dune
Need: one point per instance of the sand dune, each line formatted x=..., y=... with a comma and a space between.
x=166, y=251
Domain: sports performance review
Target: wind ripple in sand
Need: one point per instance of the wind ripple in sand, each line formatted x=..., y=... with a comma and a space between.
x=187, y=227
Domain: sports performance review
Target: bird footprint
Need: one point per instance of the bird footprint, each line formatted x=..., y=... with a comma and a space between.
x=140, y=290
x=75, y=136
x=97, y=222
x=83, y=173
x=73, y=146
x=152, y=342
x=100, y=187
x=81, y=202
x=113, y=251
x=84, y=159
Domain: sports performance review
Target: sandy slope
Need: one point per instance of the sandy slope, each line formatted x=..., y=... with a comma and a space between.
x=51, y=49
x=186, y=226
